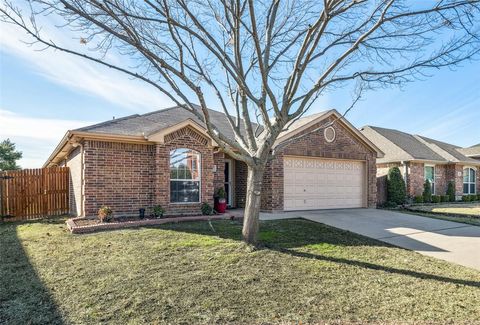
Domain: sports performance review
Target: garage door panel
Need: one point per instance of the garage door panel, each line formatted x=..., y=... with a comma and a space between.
x=315, y=183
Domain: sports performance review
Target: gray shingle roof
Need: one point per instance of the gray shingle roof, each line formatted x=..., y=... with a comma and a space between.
x=399, y=146
x=473, y=151
x=411, y=147
x=146, y=124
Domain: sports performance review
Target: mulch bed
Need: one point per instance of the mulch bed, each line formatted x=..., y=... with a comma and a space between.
x=87, y=225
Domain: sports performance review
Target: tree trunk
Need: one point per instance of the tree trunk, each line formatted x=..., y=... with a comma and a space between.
x=252, y=204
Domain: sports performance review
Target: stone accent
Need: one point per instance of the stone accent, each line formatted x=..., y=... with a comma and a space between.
x=313, y=144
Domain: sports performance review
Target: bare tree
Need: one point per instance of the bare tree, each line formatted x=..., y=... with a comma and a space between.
x=266, y=61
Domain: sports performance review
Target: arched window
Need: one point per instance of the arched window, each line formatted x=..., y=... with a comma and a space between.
x=469, y=180
x=184, y=176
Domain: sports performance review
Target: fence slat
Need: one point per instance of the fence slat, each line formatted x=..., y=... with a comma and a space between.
x=34, y=193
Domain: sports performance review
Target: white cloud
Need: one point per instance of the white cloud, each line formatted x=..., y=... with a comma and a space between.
x=35, y=137
x=80, y=74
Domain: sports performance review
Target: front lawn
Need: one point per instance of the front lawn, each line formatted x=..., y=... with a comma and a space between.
x=201, y=273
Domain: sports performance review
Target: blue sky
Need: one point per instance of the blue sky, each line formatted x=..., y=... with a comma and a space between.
x=43, y=94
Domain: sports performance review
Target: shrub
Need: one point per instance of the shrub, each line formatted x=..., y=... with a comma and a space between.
x=390, y=204
x=451, y=191
x=466, y=198
x=473, y=197
x=105, y=214
x=395, y=186
x=427, y=192
x=158, y=211
x=206, y=209
x=220, y=193
x=445, y=198
x=435, y=198
x=418, y=199
x=478, y=197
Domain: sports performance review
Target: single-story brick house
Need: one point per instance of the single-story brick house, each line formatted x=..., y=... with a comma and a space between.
x=420, y=158
x=167, y=158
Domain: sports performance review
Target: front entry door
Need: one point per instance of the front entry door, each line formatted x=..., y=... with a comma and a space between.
x=228, y=181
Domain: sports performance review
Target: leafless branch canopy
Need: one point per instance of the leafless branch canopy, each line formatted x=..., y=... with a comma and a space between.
x=265, y=61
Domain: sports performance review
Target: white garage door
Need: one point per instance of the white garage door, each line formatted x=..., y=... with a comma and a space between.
x=314, y=183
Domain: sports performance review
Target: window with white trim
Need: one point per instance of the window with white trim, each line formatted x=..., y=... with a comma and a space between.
x=469, y=180
x=184, y=176
x=430, y=176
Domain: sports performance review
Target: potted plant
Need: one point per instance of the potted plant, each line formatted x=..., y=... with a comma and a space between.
x=220, y=200
x=105, y=214
x=158, y=211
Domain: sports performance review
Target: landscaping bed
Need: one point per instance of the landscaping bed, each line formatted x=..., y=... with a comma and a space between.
x=88, y=225
x=449, y=209
x=201, y=273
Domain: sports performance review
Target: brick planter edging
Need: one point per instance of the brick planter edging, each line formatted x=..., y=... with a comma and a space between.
x=75, y=229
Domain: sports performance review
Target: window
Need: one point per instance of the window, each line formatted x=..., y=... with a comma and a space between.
x=184, y=176
x=469, y=181
x=430, y=176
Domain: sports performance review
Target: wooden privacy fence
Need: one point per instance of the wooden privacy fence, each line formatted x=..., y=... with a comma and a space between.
x=34, y=193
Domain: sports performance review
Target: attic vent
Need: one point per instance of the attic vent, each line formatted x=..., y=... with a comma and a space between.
x=329, y=134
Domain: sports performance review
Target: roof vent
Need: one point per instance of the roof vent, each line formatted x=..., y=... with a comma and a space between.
x=329, y=134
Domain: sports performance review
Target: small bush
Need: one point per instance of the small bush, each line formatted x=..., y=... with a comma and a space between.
x=436, y=199
x=473, y=197
x=451, y=191
x=390, y=204
x=105, y=214
x=206, y=209
x=478, y=197
x=220, y=193
x=418, y=199
x=158, y=211
x=427, y=192
x=466, y=198
x=445, y=198
x=395, y=186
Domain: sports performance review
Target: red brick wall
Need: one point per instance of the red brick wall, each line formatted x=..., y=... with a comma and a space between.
x=127, y=177
x=219, y=175
x=345, y=146
x=118, y=175
x=415, y=179
x=241, y=172
x=184, y=138
x=441, y=179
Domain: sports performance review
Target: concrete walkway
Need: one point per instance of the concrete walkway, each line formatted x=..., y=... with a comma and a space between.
x=451, y=241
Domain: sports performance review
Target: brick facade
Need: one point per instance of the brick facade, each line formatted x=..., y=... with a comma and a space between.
x=444, y=173
x=130, y=176
x=345, y=146
x=118, y=175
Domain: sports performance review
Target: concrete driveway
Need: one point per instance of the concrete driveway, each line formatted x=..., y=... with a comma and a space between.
x=450, y=241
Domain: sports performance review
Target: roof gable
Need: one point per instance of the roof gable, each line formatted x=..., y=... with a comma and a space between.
x=306, y=122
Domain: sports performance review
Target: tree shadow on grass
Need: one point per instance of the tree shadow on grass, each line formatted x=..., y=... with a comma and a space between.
x=285, y=235
x=24, y=299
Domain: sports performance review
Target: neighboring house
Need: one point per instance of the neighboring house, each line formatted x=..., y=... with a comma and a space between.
x=420, y=158
x=472, y=152
x=166, y=157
